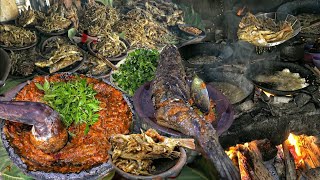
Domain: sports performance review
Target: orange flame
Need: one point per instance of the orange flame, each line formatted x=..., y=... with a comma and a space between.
x=294, y=149
x=241, y=11
x=304, y=151
x=293, y=140
x=268, y=94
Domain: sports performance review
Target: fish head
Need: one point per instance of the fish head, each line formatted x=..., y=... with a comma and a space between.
x=199, y=94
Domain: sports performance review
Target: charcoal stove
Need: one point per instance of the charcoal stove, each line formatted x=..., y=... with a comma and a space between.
x=271, y=116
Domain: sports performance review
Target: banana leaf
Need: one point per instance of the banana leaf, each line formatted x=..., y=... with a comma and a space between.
x=9, y=171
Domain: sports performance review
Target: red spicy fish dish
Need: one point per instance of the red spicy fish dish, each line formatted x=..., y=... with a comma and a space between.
x=87, y=146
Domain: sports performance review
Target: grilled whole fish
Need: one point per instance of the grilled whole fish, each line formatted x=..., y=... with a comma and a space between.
x=170, y=96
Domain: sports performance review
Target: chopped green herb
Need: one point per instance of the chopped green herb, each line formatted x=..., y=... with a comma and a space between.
x=74, y=100
x=138, y=68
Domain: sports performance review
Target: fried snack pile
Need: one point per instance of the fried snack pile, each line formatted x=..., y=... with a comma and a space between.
x=64, y=56
x=144, y=23
x=56, y=19
x=141, y=31
x=22, y=62
x=110, y=45
x=260, y=32
x=134, y=153
x=97, y=19
x=13, y=36
x=54, y=22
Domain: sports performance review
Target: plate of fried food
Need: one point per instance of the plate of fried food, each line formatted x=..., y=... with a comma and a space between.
x=16, y=38
x=148, y=155
x=110, y=46
x=268, y=29
x=59, y=55
x=55, y=21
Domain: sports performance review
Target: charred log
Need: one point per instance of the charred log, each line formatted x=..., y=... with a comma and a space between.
x=312, y=174
x=289, y=162
x=260, y=170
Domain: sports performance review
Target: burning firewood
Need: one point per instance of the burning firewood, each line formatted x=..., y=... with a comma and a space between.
x=289, y=162
x=297, y=157
x=260, y=170
x=305, y=152
x=243, y=167
x=249, y=160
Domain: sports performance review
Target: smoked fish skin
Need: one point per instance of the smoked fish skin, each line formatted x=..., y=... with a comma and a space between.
x=171, y=96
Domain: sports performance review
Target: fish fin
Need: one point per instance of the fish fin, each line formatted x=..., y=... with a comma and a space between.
x=187, y=143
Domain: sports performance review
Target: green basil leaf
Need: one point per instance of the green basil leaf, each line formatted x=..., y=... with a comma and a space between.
x=39, y=86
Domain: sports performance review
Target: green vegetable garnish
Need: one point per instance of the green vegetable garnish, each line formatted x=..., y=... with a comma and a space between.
x=139, y=68
x=73, y=100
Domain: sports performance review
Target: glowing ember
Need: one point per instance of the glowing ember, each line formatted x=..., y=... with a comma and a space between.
x=293, y=140
x=241, y=11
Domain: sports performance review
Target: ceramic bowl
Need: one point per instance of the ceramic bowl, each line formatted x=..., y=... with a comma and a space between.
x=316, y=61
x=165, y=168
x=5, y=65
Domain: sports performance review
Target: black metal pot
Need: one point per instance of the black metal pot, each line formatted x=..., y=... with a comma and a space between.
x=218, y=75
x=265, y=67
x=5, y=66
x=292, y=51
x=204, y=48
x=297, y=7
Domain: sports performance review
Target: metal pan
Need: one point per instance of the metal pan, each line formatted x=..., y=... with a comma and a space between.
x=271, y=67
x=215, y=76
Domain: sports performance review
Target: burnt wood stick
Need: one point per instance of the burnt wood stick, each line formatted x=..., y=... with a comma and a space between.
x=259, y=169
x=243, y=167
x=289, y=162
x=279, y=162
x=207, y=138
x=244, y=152
x=312, y=174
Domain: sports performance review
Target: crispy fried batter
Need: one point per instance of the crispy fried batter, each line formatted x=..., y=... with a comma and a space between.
x=263, y=31
x=134, y=153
